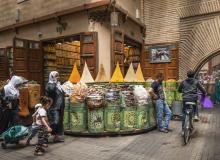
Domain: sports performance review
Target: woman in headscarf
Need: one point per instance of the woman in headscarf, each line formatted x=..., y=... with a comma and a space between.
x=56, y=111
x=10, y=96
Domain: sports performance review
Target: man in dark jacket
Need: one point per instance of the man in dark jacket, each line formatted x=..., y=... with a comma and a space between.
x=189, y=89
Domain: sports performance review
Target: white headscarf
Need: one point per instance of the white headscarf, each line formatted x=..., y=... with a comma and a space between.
x=10, y=90
x=53, y=79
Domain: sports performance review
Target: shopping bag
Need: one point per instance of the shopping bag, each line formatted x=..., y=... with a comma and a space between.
x=207, y=103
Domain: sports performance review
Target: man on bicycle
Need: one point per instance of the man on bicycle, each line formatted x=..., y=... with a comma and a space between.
x=189, y=89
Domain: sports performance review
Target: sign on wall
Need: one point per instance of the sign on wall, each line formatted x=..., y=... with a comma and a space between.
x=160, y=54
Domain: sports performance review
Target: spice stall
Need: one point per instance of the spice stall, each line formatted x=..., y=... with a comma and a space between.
x=108, y=107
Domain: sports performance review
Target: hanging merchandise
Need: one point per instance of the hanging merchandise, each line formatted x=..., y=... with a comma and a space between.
x=142, y=97
x=86, y=75
x=130, y=76
x=139, y=74
x=75, y=76
x=101, y=77
x=117, y=75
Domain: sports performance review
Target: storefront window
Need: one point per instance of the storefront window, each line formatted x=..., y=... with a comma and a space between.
x=87, y=38
x=34, y=45
x=19, y=43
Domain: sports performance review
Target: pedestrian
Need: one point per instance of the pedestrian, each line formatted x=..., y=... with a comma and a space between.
x=216, y=95
x=189, y=89
x=34, y=127
x=11, y=102
x=56, y=111
x=157, y=93
x=41, y=121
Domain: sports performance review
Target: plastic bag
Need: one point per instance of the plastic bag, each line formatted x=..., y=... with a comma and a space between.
x=141, y=95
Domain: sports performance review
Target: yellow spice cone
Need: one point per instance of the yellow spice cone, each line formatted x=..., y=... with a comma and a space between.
x=130, y=76
x=117, y=75
x=86, y=75
x=139, y=74
x=101, y=77
x=75, y=76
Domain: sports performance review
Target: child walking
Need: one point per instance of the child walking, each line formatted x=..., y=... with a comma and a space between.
x=43, y=126
x=34, y=127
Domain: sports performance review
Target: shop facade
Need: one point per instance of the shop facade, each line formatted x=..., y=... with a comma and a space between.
x=34, y=48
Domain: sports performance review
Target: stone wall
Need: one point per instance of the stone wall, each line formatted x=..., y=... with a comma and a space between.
x=34, y=8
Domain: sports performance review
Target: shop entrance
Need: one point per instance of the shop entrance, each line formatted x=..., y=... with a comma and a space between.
x=28, y=60
x=62, y=53
x=125, y=51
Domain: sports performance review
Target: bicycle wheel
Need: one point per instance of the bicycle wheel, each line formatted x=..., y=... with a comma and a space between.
x=186, y=135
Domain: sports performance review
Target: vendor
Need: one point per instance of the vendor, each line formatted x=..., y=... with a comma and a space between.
x=56, y=111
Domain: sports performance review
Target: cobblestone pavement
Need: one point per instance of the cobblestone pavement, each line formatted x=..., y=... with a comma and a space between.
x=205, y=145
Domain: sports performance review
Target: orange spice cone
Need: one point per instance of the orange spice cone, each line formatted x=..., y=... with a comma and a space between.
x=75, y=76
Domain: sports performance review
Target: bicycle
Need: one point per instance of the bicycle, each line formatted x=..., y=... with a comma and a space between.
x=188, y=123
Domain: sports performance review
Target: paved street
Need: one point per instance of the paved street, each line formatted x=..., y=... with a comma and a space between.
x=150, y=146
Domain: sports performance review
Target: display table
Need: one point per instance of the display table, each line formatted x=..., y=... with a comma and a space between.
x=110, y=119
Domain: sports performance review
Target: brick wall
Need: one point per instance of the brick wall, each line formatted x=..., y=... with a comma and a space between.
x=193, y=23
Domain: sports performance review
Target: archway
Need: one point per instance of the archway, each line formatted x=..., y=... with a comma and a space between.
x=199, y=42
x=204, y=60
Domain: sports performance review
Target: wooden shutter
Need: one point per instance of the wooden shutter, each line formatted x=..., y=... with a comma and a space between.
x=89, y=51
x=27, y=60
x=4, y=72
x=117, y=50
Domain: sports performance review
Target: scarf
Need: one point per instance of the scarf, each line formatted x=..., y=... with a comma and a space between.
x=53, y=79
x=10, y=88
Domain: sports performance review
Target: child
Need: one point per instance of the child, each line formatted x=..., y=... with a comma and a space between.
x=34, y=127
x=42, y=123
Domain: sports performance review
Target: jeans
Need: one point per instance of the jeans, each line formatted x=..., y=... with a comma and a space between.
x=163, y=109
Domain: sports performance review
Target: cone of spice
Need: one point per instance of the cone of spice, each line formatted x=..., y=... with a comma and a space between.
x=117, y=75
x=86, y=75
x=75, y=76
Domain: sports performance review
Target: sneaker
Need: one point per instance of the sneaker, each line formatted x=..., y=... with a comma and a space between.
x=45, y=145
x=169, y=130
x=163, y=130
x=58, y=138
x=182, y=133
x=38, y=153
x=196, y=118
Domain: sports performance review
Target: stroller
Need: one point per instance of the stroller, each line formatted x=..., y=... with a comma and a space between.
x=13, y=135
